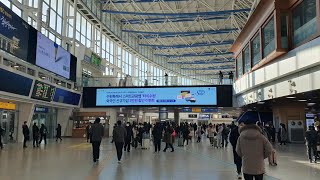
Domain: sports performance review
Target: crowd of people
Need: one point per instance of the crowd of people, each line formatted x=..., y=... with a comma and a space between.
x=251, y=141
x=38, y=134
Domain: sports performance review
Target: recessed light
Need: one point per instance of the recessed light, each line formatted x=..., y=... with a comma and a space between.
x=15, y=66
x=290, y=97
x=311, y=104
x=302, y=100
x=43, y=77
x=59, y=83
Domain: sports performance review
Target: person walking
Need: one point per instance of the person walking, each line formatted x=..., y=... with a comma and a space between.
x=58, y=133
x=168, y=138
x=225, y=135
x=219, y=135
x=35, y=135
x=253, y=147
x=1, y=134
x=129, y=137
x=43, y=134
x=97, y=133
x=88, y=132
x=312, y=141
x=199, y=134
x=233, y=138
x=283, y=134
x=119, y=134
x=211, y=132
x=26, y=134
x=185, y=134
x=157, y=136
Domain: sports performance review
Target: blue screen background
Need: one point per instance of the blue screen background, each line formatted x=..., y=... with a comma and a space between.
x=156, y=96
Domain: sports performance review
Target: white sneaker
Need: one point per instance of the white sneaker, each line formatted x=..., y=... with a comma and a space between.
x=119, y=162
x=239, y=176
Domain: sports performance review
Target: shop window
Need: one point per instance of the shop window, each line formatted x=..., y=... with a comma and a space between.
x=304, y=21
x=268, y=38
x=246, y=59
x=284, y=31
x=256, y=52
x=239, y=66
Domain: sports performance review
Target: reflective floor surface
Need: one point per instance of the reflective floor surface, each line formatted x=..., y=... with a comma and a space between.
x=72, y=160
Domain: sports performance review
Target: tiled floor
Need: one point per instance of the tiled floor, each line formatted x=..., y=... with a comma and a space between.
x=71, y=160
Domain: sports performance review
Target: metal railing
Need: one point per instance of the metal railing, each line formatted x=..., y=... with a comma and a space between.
x=108, y=81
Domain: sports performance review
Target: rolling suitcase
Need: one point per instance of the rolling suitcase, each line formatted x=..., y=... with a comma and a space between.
x=180, y=141
x=145, y=144
x=273, y=158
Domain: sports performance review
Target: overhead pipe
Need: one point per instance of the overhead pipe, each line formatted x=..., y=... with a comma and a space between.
x=174, y=19
x=195, y=54
x=138, y=1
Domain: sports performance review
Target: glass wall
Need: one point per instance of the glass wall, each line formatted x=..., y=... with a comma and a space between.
x=246, y=59
x=239, y=65
x=268, y=38
x=284, y=31
x=256, y=51
x=304, y=21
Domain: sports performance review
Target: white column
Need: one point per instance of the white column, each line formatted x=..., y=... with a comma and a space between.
x=64, y=25
x=39, y=15
x=74, y=26
x=25, y=114
x=63, y=119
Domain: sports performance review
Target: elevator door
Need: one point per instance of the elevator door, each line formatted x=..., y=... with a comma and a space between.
x=8, y=124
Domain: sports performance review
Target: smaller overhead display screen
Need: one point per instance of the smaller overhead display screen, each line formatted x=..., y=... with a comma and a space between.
x=43, y=91
x=67, y=97
x=52, y=57
x=160, y=96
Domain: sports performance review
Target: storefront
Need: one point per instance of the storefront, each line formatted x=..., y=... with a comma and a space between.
x=83, y=119
x=46, y=116
x=8, y=121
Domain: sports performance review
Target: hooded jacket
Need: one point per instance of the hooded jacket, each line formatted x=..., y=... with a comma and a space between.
x=253, y=147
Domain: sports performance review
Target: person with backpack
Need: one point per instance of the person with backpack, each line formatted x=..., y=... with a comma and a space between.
x=58, y=133
x=185, y=133
x=312, y=141
x=26, y=134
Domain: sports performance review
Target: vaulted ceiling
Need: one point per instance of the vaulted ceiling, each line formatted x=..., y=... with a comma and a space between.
x=195, y=34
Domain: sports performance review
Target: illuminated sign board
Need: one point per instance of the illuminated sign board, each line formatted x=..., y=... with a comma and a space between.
x=160, y=96
x=43, y=91
x=8, y=106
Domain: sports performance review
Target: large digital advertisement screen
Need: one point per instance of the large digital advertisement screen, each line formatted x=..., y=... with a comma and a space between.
x=52, y=57
x=14, y=33
x=165, y=96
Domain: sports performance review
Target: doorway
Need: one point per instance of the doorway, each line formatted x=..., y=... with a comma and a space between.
x=8, y=121
x=48, y=118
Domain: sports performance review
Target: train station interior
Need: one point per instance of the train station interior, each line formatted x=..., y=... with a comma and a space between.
x=199, y=70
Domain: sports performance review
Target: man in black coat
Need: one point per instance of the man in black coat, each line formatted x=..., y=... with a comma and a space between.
x=312, y=141
x=26, y=134
x=97, y=133
x=128, y=137
x=157, y=136
x=35, y=135
x=43, y=134
x=233, y=138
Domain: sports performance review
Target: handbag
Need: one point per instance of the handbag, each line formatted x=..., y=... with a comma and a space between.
x=174, y=134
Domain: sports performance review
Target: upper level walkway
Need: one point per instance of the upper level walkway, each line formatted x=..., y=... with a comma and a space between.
x=72, y=159
x=147, y=81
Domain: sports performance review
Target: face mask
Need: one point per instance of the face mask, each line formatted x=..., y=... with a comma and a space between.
x=127, y=124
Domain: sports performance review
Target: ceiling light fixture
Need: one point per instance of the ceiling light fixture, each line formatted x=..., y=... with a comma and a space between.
x=302, y=100
x=290, y=97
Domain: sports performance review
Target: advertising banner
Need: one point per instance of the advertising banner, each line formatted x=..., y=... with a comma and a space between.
x=14, y=33
x=176, y=96
x=52, y=57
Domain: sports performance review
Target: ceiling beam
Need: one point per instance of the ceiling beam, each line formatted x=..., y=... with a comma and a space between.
x=209, y=13
x=138, y=1
x=195, y=54
x=215, y=61
x=163, y=20
x=180, y=46
x=210, y=68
